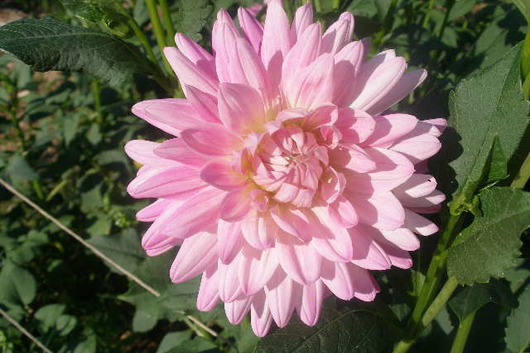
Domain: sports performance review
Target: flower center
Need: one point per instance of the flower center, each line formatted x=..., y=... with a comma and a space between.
x=289, y=164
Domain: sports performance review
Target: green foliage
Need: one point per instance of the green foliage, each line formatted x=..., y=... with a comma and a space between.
x=338, y=330
x=49, y=44
x=491, y=244
x=517, y=337
x=487, y=107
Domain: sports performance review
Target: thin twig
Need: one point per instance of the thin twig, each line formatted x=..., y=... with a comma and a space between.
x=201, y=325
x=80, y=239
x=24, y=331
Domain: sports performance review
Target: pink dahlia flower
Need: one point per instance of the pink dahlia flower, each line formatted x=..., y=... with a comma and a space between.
x=286, y=181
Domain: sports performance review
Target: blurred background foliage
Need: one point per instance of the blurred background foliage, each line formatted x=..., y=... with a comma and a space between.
x=61, y=144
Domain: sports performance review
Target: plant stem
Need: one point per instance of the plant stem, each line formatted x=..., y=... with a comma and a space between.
x=449, y=7
x=143, y=39
x=96, y=92
x=434, y=272
x=159, y=32
x=427, y=17
x=460, y=340
x=523, y=175
x=439, y=302
x=336, y=5
x=318, y=5
x=168, y=23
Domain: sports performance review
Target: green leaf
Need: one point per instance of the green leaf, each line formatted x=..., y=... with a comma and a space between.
x=491, y=244
x=344, y=330
x=17, y=285
x=109, y=12
x=181, y=342
x=49, y=44
x=487, y=106
x=518, y=323
x=470, y=299
x=19, y=170
x=51, y=318
x=192, y=16
x=124, y=248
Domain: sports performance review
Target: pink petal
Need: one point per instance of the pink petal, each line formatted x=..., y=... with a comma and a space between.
x=419, y=224
x=380, y=210
x=143, y=152
x=433, y=199
x=256, y=269
x=223, y=176
x=339, y=280
x=418, y=148
x=166, y=183
x=241, y=108
x=195, y=255
x=294, y=222
x=347, y=63
x=311, y=303
x=261, y=318
x=235, y=205
x=195, y=214
x=276, y=40
x=205, y=104
x=311, y=86
x=408, y=83
x=355, y=125
x=305, y=51
x=281, y=297
x=390, y=128
x=177, y=150
x=353, y=158
x=373, y=85
x=416, y=186
x=367, y=253
x=259, y=231
x=251, y=27
x=365, y=286
x=208, y=295
x=190, y=74
x=196, y=54
x=151, y=212
x=229, y=287
x=212, y=140
x=300, y=262
x=230, y=241
x=338, y=34
x=302, y=19
x=170, y=115
x=402, y=238
x=236, y=310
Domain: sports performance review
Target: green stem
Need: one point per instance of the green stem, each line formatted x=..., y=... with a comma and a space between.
x=159, y=32
x=435, y=271
x=318, y=5
x=460, y=340
x=427, y=17
x=449, y=7
x=336, y=5
x=166, y=17
x=143, y=39
x=438, y=303
x=96, y=92
x=523, y=175
x=388, y=21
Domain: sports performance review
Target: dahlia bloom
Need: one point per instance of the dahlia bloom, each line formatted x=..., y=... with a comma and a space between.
x=286, y=181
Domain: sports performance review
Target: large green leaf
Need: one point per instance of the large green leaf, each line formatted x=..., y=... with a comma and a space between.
x=518, y=324
x=486, y=107
x=49, y=44
x=109, y=12
x=355, y=329
x=470, y=299
x=491, y=244
x=17, y=285
x=192, y=16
